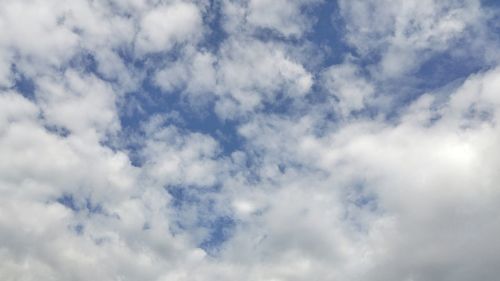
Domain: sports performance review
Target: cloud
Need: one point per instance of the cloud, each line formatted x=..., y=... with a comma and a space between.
x=160, y=28
x=252, y=73
x=175, y=158
x=282, y=16
x=348, y=85
x=241, y=78
x=247, y=159
x=82, y=105
x=404, y=35
x=194, y=74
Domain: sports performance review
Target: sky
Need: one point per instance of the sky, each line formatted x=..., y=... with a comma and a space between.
x=252, y=140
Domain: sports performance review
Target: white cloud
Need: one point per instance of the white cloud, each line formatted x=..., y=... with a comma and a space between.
x=38, y=167
x=405, y=194
x=55, y=43
x=432, y=183
x=194, y=74
x=251, y=73
x=283, y=16
x=165, y=26
x=244, y=76
x=286, y=18
x=175, y=158
x=83, y=105
x=15, y=108
x=348, y=85
x=405, y=33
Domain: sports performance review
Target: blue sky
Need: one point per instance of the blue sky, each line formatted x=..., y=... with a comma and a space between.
x=249, y=140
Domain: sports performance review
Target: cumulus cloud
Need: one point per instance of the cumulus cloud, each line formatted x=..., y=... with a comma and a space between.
x=194, y=74
x=175, y=158
x=241, y=78
x=348, y=85
x=250, y=77
x=254, y=154
x=164, y=26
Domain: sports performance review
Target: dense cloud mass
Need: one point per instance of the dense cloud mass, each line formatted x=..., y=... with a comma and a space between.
x=257, y=140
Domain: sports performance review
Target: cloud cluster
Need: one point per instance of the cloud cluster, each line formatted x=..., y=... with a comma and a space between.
x=403, y=34
x=220, y=140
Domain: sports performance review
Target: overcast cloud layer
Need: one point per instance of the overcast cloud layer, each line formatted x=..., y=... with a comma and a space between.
x=259, y=140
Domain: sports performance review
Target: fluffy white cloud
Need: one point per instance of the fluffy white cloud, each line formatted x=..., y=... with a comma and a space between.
x=348, y=85
x=86, y=203
x=174, y=158
x=82, y=105
x=194, y=74
x=423, y=186
x=167, y=25
x=55, y=43
x=242, y=78
x=252, y=73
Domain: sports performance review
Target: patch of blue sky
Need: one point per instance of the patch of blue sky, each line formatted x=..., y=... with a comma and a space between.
x=78, y=229
x=218, y=225
x=444, y=68
x=433, y=76
x=84, y=62
x=328, y=34
x=490, y=3
x=439, y=73
x=23, y=84
x=68, y=201
x=221, y=229
x=360, y=201
x=76, y=205
x=493, y=21
x=58, y=130
x=151, y=100
x=282, y=104
x=215, y=35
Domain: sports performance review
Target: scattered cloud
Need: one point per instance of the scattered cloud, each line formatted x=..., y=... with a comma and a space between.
x=222, y=140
